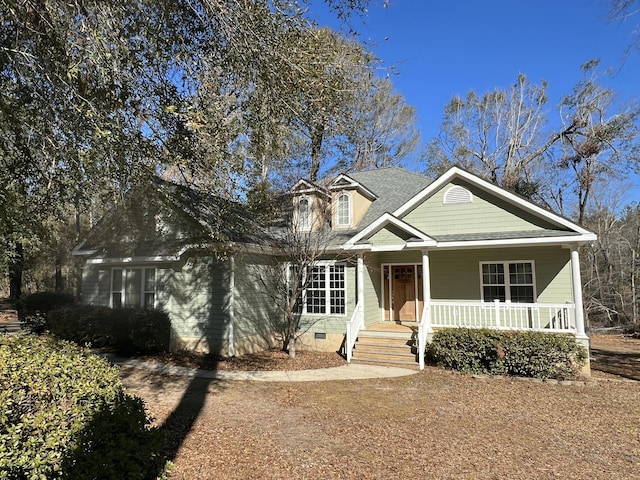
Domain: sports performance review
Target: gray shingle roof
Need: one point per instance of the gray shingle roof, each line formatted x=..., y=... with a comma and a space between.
x=466, y=237
x=393, y=186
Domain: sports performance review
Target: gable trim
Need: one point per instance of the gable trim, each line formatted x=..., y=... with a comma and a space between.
x=455, y=172
x=351, y=183
x=383, y=221
x=309, y=187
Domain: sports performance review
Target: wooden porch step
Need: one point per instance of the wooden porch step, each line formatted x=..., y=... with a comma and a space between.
x=382, y=345
x=377, y=334
x=386, y=363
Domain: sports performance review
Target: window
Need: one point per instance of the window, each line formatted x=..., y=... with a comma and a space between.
x=325, y=291
x=304, y=214
x=508, y=282
x=343, y=210
x=133, y=287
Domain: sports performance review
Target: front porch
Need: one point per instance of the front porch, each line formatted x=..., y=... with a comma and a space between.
x=404, y=297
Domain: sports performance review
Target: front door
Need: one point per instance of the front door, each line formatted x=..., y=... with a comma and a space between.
x=403, y=293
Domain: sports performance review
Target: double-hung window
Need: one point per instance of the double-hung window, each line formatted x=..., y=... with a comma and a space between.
x=322, y=290
x=133, y=287
x=508, y=282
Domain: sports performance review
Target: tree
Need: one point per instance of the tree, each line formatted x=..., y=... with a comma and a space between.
x=503, y=136
x=294, y=266
x=622, y=11
x=96, y=96
x=497, y=135
x=382, y=129
x=599, y=143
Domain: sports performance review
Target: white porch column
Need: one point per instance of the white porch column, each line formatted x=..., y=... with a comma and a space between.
x=360, y=287
x=577, y=293
x=231, y=305
x=426, y=289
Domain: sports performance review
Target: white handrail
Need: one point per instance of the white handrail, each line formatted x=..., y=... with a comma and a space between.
x=353, y=328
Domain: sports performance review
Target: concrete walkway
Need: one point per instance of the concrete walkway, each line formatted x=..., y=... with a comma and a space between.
x=345, y=372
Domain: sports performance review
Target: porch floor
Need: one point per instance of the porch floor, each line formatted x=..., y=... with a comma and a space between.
x=401, y=327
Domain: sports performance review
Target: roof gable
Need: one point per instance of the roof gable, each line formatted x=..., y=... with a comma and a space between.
x=345, y=182
x=389, y=230
x=530, y=212
x=305, y=186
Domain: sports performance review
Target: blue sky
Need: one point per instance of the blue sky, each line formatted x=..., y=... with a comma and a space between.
x=445, y=48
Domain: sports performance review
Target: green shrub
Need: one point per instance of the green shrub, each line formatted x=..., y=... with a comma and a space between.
x=527, y=354
x=33, y=310
x=64, y=414
x=125, y=330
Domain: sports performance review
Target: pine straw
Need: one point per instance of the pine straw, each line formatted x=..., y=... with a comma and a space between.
x=435, y=424
x=261, y=361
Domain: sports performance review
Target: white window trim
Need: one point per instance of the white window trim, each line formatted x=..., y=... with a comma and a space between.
x=123, y=287
x=303, y=293
x=337, y=224
x=507, y=283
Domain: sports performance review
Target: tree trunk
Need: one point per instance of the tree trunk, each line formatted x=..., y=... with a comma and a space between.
x=15, y=272
x=59, y=285
x=317, y=135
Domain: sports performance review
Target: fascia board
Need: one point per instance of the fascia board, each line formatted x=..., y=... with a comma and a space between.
x=353, y=184
x=384, y=220
x=495, y=190
x=518, y=242
x=128, y=260
x=310, y=188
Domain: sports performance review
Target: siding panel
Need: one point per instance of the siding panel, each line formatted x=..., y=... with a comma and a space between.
x=485, y=214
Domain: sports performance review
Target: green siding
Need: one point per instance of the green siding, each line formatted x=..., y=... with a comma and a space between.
x=455, y=275
x=255, y=312
x=373, y=292
x=485, y=214
x=96, y=282
x=390, y=235
x=197, y=297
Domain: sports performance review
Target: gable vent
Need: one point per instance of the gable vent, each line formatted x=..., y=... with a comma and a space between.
x=457, y=194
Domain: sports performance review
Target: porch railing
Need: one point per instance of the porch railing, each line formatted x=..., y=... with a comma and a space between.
x=353, y=328
x=559, y=318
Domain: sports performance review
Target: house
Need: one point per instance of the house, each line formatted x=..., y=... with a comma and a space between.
x=404, y=252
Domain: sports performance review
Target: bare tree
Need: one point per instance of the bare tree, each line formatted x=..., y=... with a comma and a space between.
x=298, y=250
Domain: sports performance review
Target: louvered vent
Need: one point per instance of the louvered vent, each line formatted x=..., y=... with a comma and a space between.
x=457, y=194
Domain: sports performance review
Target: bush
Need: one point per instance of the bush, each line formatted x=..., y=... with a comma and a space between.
x=33, y=310
x=64, y=414
x=527, y=354
x=125, y=330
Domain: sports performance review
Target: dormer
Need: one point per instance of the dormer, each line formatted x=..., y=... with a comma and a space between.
x=310, y=206
x=350, y=201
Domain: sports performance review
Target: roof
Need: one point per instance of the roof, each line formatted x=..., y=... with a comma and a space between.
x=393, y=186
x=193, y=218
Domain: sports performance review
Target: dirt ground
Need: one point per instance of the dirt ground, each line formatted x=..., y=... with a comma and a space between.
x=436, y=423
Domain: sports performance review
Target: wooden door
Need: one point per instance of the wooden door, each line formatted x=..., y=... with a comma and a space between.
x=403, y=293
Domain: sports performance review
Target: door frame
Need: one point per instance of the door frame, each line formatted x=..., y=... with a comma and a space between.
x=419, y=300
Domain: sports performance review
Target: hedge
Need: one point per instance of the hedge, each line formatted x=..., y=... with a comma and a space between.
x=33, y=310
x=64, y=413
x=526, y=354
x=125, y=330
